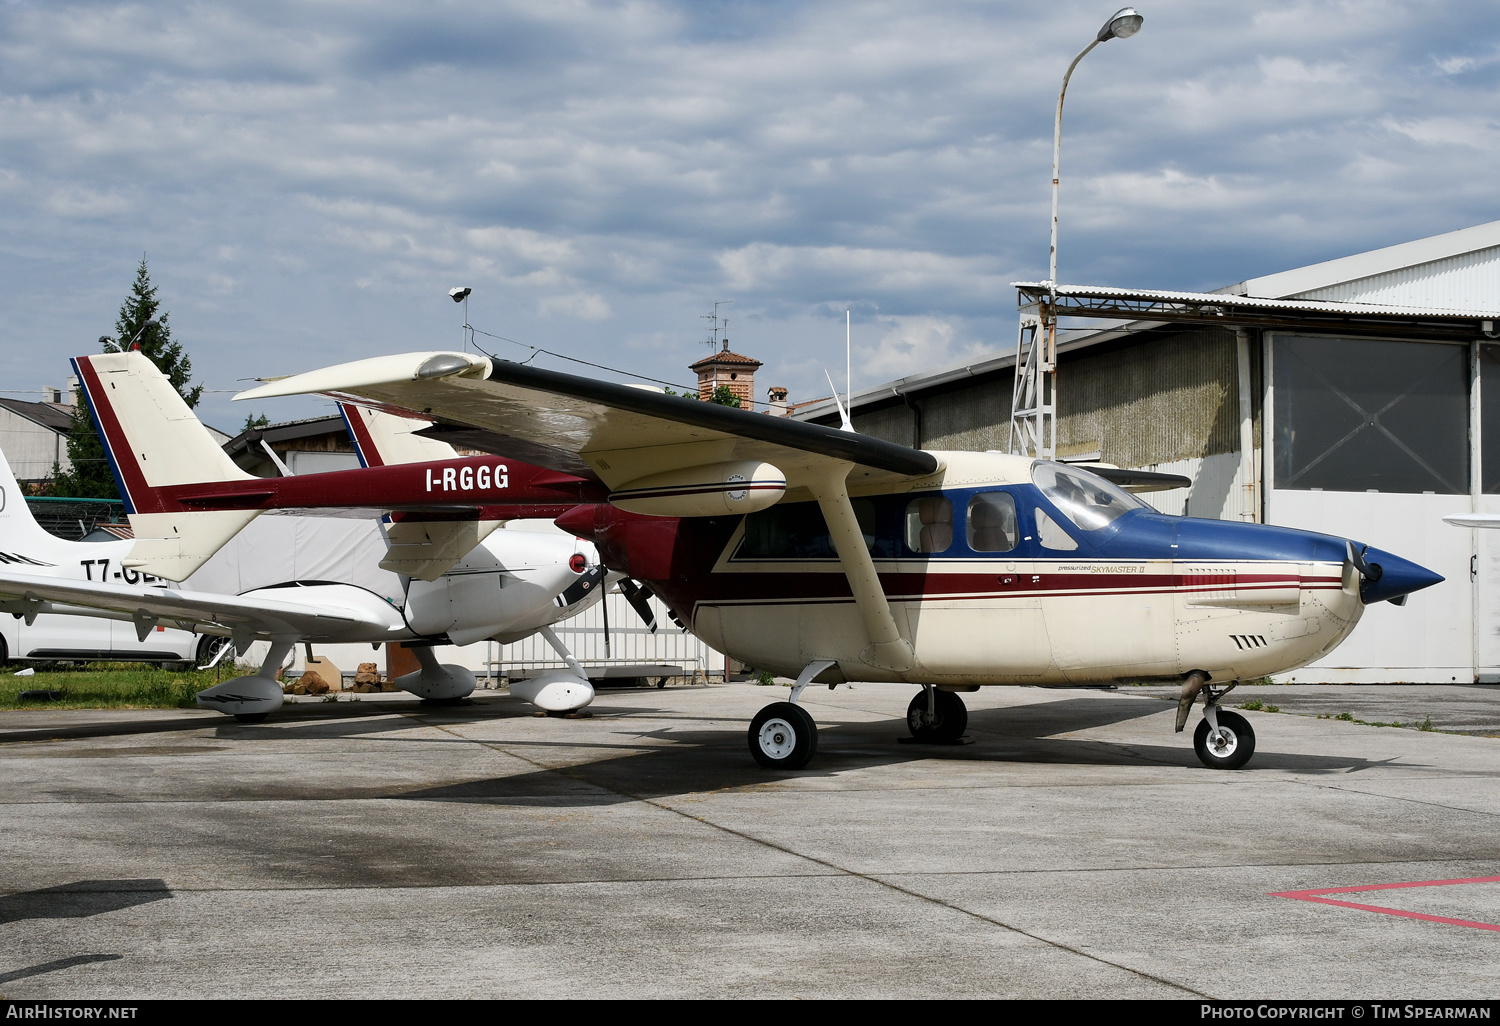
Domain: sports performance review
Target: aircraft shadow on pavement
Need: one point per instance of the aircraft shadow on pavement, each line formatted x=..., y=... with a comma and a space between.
x=81, y=899
x=708, y=760
x=56, y=965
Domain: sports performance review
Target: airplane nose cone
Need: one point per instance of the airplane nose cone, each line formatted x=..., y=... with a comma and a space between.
x=1398, y=577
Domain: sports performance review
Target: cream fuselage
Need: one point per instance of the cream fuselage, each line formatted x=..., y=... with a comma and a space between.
x=1147, y=596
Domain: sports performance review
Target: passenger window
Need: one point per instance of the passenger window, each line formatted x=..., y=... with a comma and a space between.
x=929, y=524
x=1051, y=535
x=991, y=523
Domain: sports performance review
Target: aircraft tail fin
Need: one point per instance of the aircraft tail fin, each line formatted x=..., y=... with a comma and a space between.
x=385, y=439
x=23, y=541
x=154, y=443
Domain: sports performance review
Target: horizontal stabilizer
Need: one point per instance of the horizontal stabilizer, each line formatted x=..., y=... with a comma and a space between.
x=173, y=545
x=427, y=549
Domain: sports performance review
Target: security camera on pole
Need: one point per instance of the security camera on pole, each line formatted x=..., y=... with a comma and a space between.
x=1033, y=416
x=461, y=295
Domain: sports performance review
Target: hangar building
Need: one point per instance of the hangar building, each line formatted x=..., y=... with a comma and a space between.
x=1360, y=397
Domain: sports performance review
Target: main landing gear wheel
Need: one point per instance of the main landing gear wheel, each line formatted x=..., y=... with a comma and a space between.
x=251, y=717
x=947, y=722
x=783, y=736
x=1229, y=747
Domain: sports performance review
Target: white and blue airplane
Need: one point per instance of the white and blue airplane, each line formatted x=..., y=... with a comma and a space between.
x=829, y=556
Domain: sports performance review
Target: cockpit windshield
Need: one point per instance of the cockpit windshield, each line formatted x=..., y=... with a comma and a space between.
x=1086, y=499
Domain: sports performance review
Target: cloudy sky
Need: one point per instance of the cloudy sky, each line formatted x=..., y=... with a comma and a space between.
x=307, y=180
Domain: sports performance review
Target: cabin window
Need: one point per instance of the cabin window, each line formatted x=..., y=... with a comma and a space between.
x=1051, y=534
x=797, y=530
x=929, y=524
x=991, y=522
x=1086, y=499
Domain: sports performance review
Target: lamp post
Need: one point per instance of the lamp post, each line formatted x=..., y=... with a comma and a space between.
x=1034, y=399
x=1123, y=24
x=461, y=295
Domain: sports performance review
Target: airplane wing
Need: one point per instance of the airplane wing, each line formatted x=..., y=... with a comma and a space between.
x=1490, y=520
x=610, y=432
x=244, y=617
x=648, y=448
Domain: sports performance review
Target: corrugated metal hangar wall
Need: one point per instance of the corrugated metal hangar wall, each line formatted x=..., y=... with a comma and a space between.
x=1159, y=400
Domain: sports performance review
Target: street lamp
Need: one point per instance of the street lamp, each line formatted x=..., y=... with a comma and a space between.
x=461, y=295
x=1033, y=418
x=1123, y=24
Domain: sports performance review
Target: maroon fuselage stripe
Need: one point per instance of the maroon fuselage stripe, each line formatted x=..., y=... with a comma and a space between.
x=530, y=491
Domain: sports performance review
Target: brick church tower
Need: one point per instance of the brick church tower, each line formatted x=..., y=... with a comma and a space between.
x=729, y=369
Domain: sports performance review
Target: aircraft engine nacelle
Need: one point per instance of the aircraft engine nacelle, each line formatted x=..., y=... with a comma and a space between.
x=548, y=578
x=736, y=486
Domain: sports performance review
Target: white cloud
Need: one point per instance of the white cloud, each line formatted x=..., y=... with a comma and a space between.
x=84, y=202
x=601, y=172
x=910, y=345
x=583, y=306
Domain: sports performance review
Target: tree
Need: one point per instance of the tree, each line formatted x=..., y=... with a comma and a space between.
x=138, y=326
x=723, y=396
x=252, y=422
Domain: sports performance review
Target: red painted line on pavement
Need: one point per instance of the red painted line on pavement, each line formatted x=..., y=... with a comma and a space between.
x=1317, y=896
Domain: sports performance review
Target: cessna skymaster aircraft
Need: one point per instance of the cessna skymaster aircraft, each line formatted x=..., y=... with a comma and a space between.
x=832, y=556
x=507, y=586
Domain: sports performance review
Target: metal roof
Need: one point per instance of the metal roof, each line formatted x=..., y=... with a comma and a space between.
x=1250, y=311
x=1360, y=266
x=1227, y=301
x=52, y=416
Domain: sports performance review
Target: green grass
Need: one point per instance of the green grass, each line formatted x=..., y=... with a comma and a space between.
x=1425, y=724
x=109, y=686
x=1256, y=705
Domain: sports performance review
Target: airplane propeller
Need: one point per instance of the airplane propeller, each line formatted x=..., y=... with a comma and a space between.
x=639, y=596
x=1371, y=572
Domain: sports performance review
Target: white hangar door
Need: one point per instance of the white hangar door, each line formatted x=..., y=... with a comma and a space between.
x=1370, y=441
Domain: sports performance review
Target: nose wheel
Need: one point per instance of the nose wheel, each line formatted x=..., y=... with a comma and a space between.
x=1227, y=744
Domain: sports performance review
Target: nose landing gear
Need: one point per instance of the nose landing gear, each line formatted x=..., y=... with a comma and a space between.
x=1224, y=739
x=1227, y=744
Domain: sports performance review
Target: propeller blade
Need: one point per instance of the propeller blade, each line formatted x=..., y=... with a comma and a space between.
x=639, y=597
x=1369, y=571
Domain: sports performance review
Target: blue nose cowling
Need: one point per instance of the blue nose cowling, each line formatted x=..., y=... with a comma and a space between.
x=1398, y=577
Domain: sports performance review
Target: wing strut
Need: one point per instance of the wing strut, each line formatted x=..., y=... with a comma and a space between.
x=887, y=649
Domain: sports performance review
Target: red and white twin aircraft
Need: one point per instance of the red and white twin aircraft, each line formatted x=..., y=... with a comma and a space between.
x=445, y=575
x=830, y=556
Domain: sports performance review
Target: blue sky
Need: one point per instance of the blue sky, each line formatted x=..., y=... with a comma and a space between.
x=307, y=180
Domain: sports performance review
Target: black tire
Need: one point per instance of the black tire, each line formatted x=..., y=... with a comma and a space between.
x=251, y=717
x=783, y=736
x=1236, y=747
x=209, y=647
x=659, y=684
x=4, y=651
x=948, y=722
